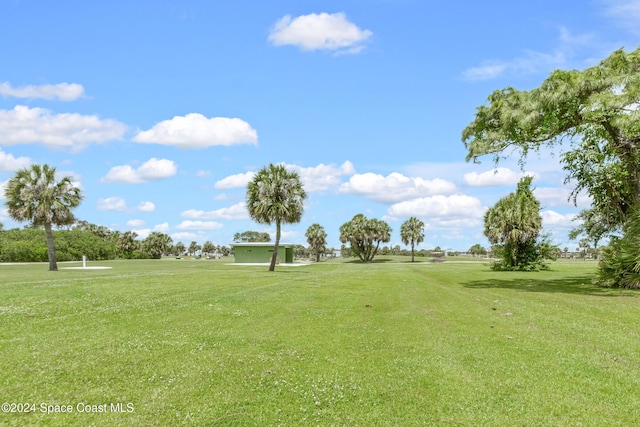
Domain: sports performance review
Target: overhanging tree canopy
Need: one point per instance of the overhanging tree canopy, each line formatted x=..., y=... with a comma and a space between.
x=595, y=111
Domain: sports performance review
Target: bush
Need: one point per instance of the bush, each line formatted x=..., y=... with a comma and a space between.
x=532, y=256
x=29, y=245
x=619, y=266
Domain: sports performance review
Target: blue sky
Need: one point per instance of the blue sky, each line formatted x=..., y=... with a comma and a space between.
x=162, y=110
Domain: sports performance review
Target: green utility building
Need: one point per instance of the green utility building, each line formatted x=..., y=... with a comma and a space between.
x=259, y=252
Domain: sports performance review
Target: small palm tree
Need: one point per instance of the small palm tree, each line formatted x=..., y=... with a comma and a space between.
x=275, y=195
x=412, y=232
x=34, y=195
x=317, y=239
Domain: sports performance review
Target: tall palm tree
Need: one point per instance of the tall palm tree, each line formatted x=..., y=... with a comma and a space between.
x=34, y=195
x=317, y=239
x=275, y=195
x=412, y=232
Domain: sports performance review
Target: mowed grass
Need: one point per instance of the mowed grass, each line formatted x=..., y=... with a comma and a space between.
x=203, y=343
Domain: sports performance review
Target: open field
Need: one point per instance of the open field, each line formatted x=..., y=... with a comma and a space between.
x=180, y=342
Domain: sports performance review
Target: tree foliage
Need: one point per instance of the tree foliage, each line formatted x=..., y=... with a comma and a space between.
x=157, y=244
x=208, y=247
x=179, y=249
x=29, y=245
x=276, y=195
x=412, y=233
x=477, y=249
x=126, y=244
x=364, y=236
x=620, y=263
x=251, y=236
x=317, y=240
x=593, y=112
x=35, y=195
x=513, y=226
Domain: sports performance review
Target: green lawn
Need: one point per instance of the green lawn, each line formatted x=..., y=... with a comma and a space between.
x=185, y=342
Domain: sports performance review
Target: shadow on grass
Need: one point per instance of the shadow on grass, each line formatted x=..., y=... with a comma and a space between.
x=374, y=261
x=581, y=285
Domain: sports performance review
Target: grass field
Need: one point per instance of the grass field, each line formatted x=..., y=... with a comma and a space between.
x=203, y=343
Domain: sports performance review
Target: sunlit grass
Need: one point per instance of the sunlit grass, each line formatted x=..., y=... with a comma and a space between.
x=341, y=343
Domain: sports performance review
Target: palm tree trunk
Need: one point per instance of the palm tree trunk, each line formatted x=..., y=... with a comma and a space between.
x=51, y=250
x=413, y=251
x=272, y=267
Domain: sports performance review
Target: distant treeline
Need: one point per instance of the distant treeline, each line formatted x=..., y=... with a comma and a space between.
x=29, y=245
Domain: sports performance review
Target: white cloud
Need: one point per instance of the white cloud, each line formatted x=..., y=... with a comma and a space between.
x=163, y=228
x=150, y=170
x=554, y=219
x=61, y=91
x=322, y=177
x=286, y=235
x=237, y=211
x=457, y=207
x=142, y=233
x=234, y=181
x=394, y=187
x=24, y=125
x=146, y=207
x=185, y=237
x=315, y=178
x=495, y=177
x=530, y=61
x=8, y=163
x=203, y=174
x=626, y=13
x=3, y=186
x=559, y=196
x=199, y=225
x=112, y=204
x=197, y=131
x=321, y=31
x=135, y=223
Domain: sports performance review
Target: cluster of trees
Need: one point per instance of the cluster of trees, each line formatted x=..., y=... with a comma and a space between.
x=127, y=245
x=96, y=243
x=275, y=196
x=593, y=114
x=29, y=245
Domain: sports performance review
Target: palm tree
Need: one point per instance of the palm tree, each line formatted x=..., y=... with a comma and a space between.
x=275, y=195
x=194, y=247
x=34, y=195
x=364, y=236
x=317, y=239
x=127, y=243
x=515, y=222
x=156, y=244
x=412, y=232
